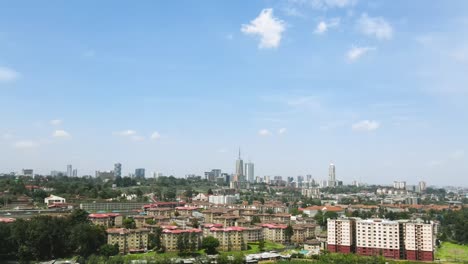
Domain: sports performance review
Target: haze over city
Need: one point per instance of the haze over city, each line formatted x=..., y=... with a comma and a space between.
x=378, y=88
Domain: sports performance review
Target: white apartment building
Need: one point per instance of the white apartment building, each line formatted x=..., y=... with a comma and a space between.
x=340, y=235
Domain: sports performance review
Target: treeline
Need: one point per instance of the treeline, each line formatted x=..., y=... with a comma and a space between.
x=47, y=237
x=454, y=226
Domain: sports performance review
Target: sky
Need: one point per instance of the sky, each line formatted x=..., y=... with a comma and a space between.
x=379, y=88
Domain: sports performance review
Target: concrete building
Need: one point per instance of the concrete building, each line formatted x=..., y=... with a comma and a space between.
x=105, y=175
x=378, y=237
x=331, y=175
x=53, y=199
x=171, y=236
x=107, y=220
x=230, y=238
x=213, y=175
x=223, y=199
x=249, y=172
x=140, y=173
x=239, y=176
x=69, y=170
x=341, y=235
x=129, y=240
x=75, y=173
x=274, y=232
x=28, y=172
x=419, y=241
x=118, y=170
x=401, y=185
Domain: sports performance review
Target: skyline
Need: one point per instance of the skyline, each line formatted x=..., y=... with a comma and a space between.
x=378, y=89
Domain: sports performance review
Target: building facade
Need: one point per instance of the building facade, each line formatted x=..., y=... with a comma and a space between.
x=129, y=240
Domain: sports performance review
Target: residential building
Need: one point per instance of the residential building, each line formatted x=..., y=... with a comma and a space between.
x=129, y=240
x=341, y=235
x=171, y=236
x=419, y=241
x=107, y=220
x=223, y=199
x=53, y=199
x=274, y=232
x=230, y=238
x=378, y=237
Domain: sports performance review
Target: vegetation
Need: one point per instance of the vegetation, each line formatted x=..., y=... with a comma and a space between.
x=209, y=244
x=452, y=252
x=454, y=227
x=46, y=237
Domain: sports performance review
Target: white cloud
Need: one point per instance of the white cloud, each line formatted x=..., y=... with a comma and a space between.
x=366, y=125
x=324, y=26
x=282, y=130
x=356, y=53
x=125, y=133
x=264, y=132
x=375, y=26
x=26, y=144
x=61, y=134
x=56, y=122
x=268, y=27
x=155, y=135
x=8, y=75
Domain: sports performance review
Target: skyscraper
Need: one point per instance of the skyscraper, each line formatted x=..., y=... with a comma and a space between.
x=331, y=175
x=139, y=173
x=75, y=173
x=118, y=170
x=240, y=168
x=249, y=172
x=69, y=171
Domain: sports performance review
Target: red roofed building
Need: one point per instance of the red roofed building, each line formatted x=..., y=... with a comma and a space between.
x=274, y=232
x=7, y=220
x=230, y=238
x=170, y=237
x=107, y=220
x=129, y=240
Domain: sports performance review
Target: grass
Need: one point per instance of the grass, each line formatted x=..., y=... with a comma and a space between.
x=452, y=252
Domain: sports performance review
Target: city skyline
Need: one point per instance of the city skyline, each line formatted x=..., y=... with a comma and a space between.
x=376, y=87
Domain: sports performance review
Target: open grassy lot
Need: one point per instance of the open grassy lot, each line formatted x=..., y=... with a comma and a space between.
x=450, y=252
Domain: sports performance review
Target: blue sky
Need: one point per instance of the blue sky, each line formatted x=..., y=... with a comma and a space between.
x=377, y=87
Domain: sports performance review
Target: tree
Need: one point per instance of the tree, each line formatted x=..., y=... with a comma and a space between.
x=109, y=250
x=129, y=223
x=255, y=219
x=209, y=244
x=261, y=245
x=210, y=192
x=270, y=211
x=79, y=216
x=288, y=233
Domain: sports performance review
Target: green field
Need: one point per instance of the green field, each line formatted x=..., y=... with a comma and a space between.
x=450, y=252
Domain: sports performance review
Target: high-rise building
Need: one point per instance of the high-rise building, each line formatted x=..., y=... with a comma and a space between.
x=341, y=235
x=240, y=168
x=249, y=172
x=399, y=185
x=213, y=175
x=75, y=173
x=69, y=170
x=118, y=170
x=331, y=175
x=139, y=173
x=422, y=186
x=28, y=172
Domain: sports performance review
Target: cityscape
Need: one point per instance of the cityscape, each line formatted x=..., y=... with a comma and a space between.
x=234, y=132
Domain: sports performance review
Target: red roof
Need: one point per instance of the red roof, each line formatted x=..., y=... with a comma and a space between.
x=7, y=220
x=274, y=226
x=213, y=225
x=103, y=215
x=227, y=229
x=180, y=231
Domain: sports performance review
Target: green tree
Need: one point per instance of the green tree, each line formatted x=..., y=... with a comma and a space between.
x=129, y=223
x=109, y=250
x=255, y=219
x=209, y=244
x=288, y=233
x=261, y=245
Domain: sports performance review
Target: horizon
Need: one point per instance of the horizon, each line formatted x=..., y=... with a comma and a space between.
x=377, y=88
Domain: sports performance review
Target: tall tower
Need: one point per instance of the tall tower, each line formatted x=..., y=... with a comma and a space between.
x=69, y=171
x=118, y=170
x=331, y=175
x=240, y=168
x=249, y=172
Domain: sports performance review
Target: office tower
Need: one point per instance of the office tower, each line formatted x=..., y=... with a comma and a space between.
x=213, y=175
x=331, y=176
x=75, y=173
x=118, y=170
x=422, y=186
x=240, y=168
x=139, y=173
x=249, y=172
x=399, y=185
x=105, y=175
x=28, y=172
x=69, y=170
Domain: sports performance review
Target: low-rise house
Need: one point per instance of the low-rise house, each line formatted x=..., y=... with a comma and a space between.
x=54, y=199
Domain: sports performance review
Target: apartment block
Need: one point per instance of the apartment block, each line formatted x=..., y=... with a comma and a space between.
x=129, y=240
x=230, y=238
x=378, y=237
x=107, y=220
x=274, y=233
x=170, y=237
x=419, y=241
x=341, y=235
